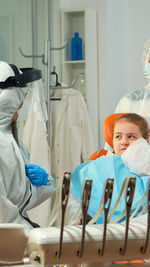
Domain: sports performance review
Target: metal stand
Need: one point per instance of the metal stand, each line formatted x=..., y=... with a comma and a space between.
x=47, y=71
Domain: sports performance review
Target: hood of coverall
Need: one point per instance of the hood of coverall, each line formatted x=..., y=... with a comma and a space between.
x=10, y=98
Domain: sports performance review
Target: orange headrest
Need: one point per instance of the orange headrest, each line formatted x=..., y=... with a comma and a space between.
x=108, y=126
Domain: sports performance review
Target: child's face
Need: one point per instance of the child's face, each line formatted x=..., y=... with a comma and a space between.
x=125, y=133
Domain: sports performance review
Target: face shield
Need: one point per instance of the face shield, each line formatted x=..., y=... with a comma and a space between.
x=35, y=100
x=15, y=92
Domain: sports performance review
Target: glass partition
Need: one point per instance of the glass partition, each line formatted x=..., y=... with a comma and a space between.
x=24, y=24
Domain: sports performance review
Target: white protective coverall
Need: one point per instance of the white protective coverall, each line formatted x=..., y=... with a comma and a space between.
x=17, y=194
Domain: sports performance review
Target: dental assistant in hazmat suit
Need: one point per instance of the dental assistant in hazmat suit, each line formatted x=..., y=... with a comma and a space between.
x=18, y=193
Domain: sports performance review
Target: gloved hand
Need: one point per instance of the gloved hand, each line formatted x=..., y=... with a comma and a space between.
x=36, y=174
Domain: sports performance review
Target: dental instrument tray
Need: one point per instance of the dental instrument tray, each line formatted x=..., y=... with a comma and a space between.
x=43, y=243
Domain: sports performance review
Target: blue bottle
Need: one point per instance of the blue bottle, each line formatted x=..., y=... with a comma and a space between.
x=76, y=47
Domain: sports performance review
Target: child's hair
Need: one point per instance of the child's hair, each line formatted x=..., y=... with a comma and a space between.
x=137, y=120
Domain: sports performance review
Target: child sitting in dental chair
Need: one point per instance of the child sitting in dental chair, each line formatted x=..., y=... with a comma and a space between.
x=128, y=135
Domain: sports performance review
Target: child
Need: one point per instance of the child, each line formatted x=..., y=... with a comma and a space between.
x=128, y=130
x=131, y=141
x=108, y=131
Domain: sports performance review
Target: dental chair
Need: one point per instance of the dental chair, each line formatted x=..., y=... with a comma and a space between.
x=95, y=245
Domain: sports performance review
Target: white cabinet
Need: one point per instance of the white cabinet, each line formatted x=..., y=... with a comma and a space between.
x=83, y=21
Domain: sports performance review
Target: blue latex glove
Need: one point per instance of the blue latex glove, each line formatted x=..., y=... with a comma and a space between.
x=36, y=174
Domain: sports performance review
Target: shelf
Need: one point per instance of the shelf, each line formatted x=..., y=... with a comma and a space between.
x=74, y=61
x=85, y=22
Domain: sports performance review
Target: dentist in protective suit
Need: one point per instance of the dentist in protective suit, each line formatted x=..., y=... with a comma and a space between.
x=18, y=193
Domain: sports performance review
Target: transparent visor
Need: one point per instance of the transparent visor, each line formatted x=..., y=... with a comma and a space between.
x=34, y=103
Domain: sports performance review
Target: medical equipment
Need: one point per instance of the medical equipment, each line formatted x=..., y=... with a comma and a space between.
x=125, y=241
x=21, y=78
x=86, y=194
x=88, y=245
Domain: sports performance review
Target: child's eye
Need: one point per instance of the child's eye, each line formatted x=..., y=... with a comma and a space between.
x=131, y=136
x=117, y=136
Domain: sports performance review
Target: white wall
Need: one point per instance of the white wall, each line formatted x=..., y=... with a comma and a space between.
x=128, y=31
x=123, y=28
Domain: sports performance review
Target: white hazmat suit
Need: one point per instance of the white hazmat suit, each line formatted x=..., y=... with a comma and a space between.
x=17, y=194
